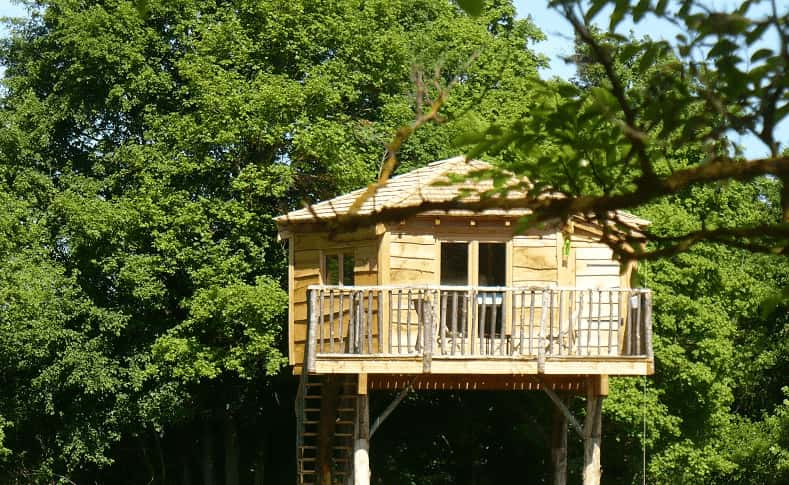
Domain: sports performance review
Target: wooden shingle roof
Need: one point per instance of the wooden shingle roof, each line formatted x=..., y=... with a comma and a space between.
x=426, y=184
x=402, y=191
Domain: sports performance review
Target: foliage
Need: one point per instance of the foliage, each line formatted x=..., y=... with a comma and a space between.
x=145, y=147
x=715, y=399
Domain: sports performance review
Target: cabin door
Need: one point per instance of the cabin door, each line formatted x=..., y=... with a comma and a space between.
x=454, y=309
x=480, y=314
x=491, y=272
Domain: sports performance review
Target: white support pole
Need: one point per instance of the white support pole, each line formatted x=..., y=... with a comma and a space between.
x=361, y=442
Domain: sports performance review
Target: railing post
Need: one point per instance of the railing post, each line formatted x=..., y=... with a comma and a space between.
x=648, y=323
x=427, y=347
x=381, y=311
x=541, y=341
x=351, y=322
x=311, y=330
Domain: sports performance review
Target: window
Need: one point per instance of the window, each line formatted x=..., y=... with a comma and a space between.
x=338, y=269
x=492, y=264
x=454, y=264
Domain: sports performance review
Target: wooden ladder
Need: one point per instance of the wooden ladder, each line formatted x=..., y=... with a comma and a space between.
x=309, y=403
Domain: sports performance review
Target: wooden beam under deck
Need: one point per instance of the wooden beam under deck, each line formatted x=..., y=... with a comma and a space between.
x=456, y=382
x=554, y=366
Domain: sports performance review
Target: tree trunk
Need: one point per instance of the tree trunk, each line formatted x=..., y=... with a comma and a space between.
x=146, y=459
x=160, y=453
x=559, y=447
x=260, y=463
x=592, y=437
x=208, y=453
x=186, y=468
x=231, y=450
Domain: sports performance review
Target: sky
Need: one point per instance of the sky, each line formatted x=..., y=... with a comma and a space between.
x=10, y=9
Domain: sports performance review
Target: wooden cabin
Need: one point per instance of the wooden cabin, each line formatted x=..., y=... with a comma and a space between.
x=449, y=300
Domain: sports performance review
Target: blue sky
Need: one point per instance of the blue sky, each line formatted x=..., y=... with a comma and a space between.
x=560, y=38
x=10, y=9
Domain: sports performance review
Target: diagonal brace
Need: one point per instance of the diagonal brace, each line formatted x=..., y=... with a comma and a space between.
x=391, y=407
x=563, y=408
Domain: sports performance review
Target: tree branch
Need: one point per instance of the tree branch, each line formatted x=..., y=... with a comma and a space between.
x=632, y=131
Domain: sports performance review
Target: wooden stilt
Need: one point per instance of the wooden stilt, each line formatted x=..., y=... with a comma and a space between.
x=559, y=447
x=361, y=442
x=596, y=388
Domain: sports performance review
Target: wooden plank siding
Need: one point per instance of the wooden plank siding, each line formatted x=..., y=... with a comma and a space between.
x=306, y=263
x=596, y=270
x=412, y=259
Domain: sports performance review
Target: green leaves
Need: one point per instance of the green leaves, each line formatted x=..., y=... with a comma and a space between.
x=471, y=7
x=233, y=328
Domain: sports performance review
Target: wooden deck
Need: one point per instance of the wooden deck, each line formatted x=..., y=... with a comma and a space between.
x=447, y=330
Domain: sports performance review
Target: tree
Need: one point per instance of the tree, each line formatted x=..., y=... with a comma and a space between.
x=598, y=150
x=145, y=148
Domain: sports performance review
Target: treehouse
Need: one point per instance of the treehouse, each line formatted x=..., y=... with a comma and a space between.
x=449, y=299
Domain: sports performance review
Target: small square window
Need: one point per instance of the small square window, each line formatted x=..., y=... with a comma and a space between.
x=347, y=269
x=332, y=268
x=338, y=269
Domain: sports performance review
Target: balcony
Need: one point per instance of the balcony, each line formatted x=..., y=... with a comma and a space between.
x=479, y=330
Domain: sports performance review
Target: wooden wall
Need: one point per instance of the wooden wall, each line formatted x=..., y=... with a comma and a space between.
x=412, y=259
x=535, y=261
x=594, y=264
x=537, y=257
x=305, y=270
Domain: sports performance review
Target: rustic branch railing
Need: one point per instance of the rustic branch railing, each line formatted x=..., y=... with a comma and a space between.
x=464, y=321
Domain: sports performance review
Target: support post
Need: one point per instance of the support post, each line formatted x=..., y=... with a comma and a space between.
x=596, y=388
x=361, y=442
x=559, y=447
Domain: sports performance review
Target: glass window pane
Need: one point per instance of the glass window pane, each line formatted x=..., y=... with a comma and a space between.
x=332, y=266
x=492, y=264
x=454, y=263
x=348, y=264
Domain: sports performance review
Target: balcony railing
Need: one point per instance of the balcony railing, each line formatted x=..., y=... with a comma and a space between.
x=477, y=322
